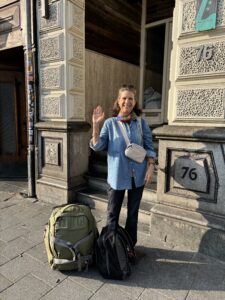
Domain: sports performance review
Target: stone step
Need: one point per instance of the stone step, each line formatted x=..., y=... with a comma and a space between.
x=196, y=231
x=99, y=182
x=98, y=156
x=97, y=199
x=98, y=167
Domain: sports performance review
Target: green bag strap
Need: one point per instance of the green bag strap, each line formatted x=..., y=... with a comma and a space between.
x=69, y=245
x=63, y=243
x=80, y=259
x=74, y=248
x=83, y=240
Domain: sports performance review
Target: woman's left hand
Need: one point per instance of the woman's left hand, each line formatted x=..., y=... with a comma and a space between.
x=149, y=174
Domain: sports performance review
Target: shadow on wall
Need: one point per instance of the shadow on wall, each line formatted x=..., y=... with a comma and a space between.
x=195, y=175
x=5, y=29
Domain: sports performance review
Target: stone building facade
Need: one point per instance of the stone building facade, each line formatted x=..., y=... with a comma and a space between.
x=189, y=119
x=191, y=148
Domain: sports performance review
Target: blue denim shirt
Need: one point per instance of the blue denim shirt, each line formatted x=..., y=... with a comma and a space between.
x=121, y=168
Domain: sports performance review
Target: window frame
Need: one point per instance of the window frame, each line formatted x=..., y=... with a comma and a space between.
x=156, y=116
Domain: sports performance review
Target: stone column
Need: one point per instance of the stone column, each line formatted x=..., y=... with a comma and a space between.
x=191, y=177
x=62, y=130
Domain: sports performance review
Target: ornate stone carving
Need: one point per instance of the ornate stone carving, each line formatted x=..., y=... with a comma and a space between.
x=52, y=78
x=200, y=103
x=192, y=174
x=78, y=48
x=188, y=18
x=52, y=153
x=78, y=18
x=78, y=104
x=55, y=18
x=77, y=78
x=220, y=20
x=189, y=14
x=51, y=106
x=192, y=60
x=51, y=48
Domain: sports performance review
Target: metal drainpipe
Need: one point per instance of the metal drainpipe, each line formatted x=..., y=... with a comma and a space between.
x=30, y=93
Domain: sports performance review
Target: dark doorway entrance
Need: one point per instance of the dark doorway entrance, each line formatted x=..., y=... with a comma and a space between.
x=13, y=126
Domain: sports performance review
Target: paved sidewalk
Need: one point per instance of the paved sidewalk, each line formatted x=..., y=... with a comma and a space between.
x=160, y=273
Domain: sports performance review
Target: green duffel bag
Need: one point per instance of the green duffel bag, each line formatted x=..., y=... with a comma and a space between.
x=70, y=237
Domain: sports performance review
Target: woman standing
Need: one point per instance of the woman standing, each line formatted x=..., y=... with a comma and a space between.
x=124, y=173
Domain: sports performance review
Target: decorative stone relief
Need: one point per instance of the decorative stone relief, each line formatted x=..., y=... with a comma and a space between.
x=52, y=106
x=76, y=49
x=188, y=18
x=77, y=102
x=200, y=103
x=202, y=59
x=189, y=14
x=220, y=20
x=52, y=78
x=76, y=78
x=55, y=17
x=51, y=160
x=192, y=174
x=51, y=48
x=79, y=2
x=52, y=153
x=76, y=17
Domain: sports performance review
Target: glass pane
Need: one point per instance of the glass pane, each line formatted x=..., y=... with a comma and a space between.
x=153, y=80
x=7, y=119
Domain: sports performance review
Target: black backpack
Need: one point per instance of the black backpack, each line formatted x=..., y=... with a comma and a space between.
x=112, y=253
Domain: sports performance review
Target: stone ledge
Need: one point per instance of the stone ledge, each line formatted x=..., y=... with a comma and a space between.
x=63, y=126
x=189, y=230
x=193, y=217
x=171, y=132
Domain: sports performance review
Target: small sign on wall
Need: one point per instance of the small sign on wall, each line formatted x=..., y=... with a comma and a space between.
x=206, y=11
x=192, y=174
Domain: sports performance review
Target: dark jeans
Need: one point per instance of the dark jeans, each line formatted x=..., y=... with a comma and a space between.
x=115, y=200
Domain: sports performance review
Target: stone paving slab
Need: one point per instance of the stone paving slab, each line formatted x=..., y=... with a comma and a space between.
x=160, y=272
x=91, y=280
x=12, y=188
x=11, y=233
x=111, y=292
x=4, y=283
x=3, y=259
x=38, y=252
x=68, y=289
x=16, y=247
x=29, y=287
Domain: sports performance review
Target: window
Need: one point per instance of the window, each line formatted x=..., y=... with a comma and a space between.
x=155, y=64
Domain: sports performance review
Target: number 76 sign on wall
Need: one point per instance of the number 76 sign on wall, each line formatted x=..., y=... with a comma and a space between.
x=205, y=15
